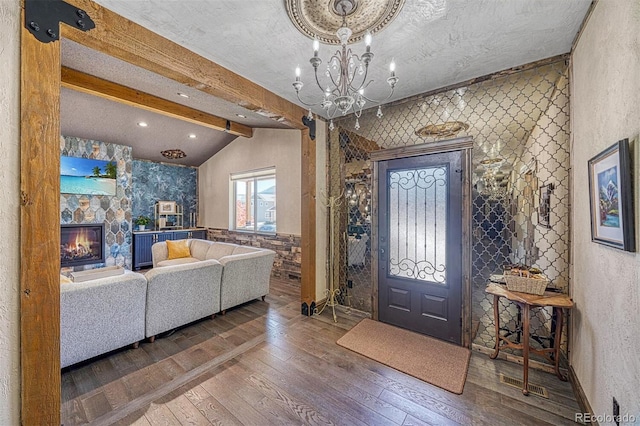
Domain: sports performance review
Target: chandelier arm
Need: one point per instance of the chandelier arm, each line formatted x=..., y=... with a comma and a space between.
x=318, y=80
x=331, y=115
x=305, y=103
x=330, y=75
x=379, y=100
x=333, y=82
x=364, y=80
x=355, y=71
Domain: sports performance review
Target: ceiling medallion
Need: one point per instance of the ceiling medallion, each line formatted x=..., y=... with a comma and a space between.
x=449, y=128
x=322, y=19
x=173, y=154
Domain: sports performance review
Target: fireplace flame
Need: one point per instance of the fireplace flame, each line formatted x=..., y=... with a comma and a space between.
x=78, y=245
x=83, y=245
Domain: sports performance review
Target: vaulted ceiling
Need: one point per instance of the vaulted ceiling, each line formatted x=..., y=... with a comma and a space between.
x=435, y=43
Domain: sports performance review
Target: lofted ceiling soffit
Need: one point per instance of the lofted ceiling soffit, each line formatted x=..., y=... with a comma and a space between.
x=91, y=117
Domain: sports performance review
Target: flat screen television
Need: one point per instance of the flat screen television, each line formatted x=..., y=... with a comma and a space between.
x=87, y=176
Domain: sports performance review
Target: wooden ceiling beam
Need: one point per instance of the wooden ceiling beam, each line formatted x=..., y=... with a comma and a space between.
x=133, y=43
x=85, y=83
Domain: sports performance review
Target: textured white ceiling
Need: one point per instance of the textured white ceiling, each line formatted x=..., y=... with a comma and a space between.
x=435, y=43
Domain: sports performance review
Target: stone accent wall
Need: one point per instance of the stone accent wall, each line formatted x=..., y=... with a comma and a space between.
x=113, y=211
x=288, y=249
x=153, y=182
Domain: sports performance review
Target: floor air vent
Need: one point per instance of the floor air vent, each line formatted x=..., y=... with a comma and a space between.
x=517, y=383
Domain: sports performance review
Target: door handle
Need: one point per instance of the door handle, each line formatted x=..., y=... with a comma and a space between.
x=382, y=254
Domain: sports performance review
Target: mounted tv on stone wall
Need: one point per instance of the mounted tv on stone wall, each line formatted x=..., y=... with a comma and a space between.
x=87, y=176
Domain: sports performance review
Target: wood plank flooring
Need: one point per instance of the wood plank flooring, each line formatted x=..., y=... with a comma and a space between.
x=264, y=363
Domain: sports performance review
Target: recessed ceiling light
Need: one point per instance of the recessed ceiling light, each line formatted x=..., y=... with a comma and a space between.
x=192, y=136
x=184, y=95
x=241, y=115
x=142, y=124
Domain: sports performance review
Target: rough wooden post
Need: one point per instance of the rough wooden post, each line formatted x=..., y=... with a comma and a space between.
x=308, y=231
x=40, y=230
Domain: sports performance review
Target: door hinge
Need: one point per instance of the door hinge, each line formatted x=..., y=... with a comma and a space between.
x=42, y=18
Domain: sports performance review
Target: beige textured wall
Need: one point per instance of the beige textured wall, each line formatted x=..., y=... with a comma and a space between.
x=321, y=209
x=267, y=147
x=605, y=102
x=9, y=212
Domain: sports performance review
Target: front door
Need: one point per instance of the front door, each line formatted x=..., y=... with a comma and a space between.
x=420, y=244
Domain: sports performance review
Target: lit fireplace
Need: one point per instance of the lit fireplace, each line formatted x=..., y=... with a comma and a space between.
x=81, y=244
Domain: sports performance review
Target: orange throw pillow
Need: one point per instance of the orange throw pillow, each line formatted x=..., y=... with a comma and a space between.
x=178, y=249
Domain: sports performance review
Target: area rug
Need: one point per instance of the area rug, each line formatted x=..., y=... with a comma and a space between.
x=440, y=363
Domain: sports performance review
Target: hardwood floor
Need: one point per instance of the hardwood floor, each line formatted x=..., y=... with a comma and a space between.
x=264, y=363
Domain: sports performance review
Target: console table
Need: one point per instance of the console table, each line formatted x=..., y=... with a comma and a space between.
x=526, y=301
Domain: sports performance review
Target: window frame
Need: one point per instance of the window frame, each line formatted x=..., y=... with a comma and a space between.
x=253, y=176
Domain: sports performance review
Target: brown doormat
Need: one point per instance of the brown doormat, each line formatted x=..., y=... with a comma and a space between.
x=440, y=363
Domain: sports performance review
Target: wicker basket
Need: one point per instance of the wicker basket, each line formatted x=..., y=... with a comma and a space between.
x=526, y=285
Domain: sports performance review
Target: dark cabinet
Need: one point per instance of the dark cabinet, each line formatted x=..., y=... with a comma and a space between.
x=181, y=235
x=142, y=250
x=200, y=234
x=143, y=241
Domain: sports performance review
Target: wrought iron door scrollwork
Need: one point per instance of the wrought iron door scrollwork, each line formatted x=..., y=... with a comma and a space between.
x=421, y=270
x=420, y=178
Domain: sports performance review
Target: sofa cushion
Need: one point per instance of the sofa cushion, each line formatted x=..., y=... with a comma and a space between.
x=199, y=248
x=179, y=261
x=218, y=250
x=178, y=249
x=244, y=249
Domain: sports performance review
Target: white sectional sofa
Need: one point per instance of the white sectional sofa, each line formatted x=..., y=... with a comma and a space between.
x=245, y=269
x=180, y=294
x=101, y=315
x=104, y=314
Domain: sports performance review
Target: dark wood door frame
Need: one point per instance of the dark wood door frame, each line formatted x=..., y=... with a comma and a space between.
x=40, y=166
x=464, y=144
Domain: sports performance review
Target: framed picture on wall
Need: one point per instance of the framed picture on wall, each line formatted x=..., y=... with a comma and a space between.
x=611, y=197
x=87, y=176
x=166, y=207
x=544, y=205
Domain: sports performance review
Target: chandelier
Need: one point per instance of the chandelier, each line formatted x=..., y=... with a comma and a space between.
x=490, y=185
x=346, y=74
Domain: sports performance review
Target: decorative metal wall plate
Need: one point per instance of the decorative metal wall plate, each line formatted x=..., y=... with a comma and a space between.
x=315, y=18
x=42, y=18
x=449, y=128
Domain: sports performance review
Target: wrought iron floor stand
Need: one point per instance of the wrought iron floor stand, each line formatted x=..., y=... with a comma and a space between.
x=332, y=203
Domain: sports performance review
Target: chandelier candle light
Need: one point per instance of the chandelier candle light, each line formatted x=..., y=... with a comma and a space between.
x=346, y=74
